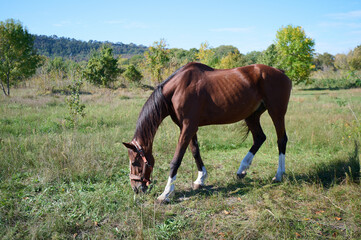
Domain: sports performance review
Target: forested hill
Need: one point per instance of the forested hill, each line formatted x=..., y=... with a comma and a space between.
x=54, y=46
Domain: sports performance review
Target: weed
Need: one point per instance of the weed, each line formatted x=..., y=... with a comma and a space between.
x=76, y=109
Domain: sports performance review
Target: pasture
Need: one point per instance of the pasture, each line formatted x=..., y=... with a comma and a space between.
x=72, y=183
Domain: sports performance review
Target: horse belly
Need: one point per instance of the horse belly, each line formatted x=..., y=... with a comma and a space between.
x=229, y=111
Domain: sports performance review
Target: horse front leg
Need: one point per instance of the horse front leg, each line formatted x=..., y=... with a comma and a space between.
x=202, y=172
x=186, y=135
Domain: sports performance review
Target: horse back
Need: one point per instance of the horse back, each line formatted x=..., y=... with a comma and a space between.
x=215, y=96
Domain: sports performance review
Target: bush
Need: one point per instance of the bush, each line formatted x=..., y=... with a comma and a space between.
x=132, y=74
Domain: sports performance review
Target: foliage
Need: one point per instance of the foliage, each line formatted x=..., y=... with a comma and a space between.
x=57, y=67
x=341, y=62
x=295, y=52
x=340, y=79
x=102, y=68
x=132, y=74
x=224, y=50
x=69, y=48
x=269, y=56
x=324, y=61
x=232, y=60
x=354, y=59
x=206, y=55
x=157, y=59
x=252, y=57
x=18, y=59
x=76, y=108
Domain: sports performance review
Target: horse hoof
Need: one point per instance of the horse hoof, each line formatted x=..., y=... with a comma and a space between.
x=163, y=201
x=242, y=175
x=275, y=180
x=197, y=186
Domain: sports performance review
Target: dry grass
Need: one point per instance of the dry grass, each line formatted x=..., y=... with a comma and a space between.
x=60, y=183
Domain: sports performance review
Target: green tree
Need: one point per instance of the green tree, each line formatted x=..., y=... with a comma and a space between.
x=157, y=59
x=269, y=56
x=252, y=57
x=354, y=58
x=206, y=55
x=224, y=50
x=295, y=53
x=102, y=68
x=323, y=61
x=18, y=59
x=232, y=60
x=132, y=74
x=57, y=67
x=341, y=62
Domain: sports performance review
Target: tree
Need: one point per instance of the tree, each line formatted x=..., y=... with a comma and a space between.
x=341, y=62
x=252, y=57
x=156, y=59
x=57, y=67
x=102, y=67
x=224, y=50
x=206, y=55
x=232, y=60
x=354, y=58
x=295, y=53
x=18, y=59
x=269, y=56
x=132, y=74
x=323, y=61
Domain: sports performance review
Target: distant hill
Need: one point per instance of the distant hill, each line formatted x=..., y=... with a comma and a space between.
x=70, y=48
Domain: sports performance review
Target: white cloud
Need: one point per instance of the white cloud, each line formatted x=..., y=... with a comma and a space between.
x=346, y=15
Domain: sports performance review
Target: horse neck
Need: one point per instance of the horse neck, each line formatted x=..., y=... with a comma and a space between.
x=153, y=112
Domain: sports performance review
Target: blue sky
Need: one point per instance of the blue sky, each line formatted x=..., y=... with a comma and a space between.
x=248, y=25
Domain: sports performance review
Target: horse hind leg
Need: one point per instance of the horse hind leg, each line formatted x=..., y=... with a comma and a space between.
x=253, y=123
x=282, y=139
x=202, y=172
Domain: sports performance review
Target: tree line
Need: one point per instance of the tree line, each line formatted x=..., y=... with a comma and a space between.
x=70, y=48
x=103, y=63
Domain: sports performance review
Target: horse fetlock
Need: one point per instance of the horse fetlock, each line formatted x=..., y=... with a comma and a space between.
x=202, y=176
x=167, y=194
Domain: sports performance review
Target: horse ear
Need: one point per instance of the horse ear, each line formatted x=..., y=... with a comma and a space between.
x=130, y=146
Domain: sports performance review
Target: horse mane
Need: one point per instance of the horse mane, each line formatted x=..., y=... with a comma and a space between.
x=155, y=109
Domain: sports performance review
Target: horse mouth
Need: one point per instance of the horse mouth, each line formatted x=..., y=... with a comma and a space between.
x=140, y=189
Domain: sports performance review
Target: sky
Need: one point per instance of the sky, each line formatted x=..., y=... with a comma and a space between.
x=335, y=25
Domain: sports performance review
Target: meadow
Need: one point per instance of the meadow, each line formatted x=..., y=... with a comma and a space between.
x=58, y=182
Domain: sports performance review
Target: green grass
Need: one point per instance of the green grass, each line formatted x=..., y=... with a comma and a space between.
x=61, y=183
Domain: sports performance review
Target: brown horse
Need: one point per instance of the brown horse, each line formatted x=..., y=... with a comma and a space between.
x=198, y=95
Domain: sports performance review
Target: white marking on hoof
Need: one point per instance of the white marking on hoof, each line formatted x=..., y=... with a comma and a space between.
x=202, y=176
x=246, y=162
x=168, y=191
x=281, y=168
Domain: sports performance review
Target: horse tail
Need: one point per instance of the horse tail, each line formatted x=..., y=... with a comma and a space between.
x=244, y=131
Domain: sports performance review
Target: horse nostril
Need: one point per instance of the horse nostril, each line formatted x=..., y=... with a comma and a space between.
x=143, y=188
x=135, y=189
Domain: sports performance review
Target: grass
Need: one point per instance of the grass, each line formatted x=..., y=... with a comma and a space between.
x=61, y=183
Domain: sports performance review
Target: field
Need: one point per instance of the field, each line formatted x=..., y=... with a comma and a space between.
x=58, y=182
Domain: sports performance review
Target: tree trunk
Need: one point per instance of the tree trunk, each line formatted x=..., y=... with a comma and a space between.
x=3, y=88
x=8, y=84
